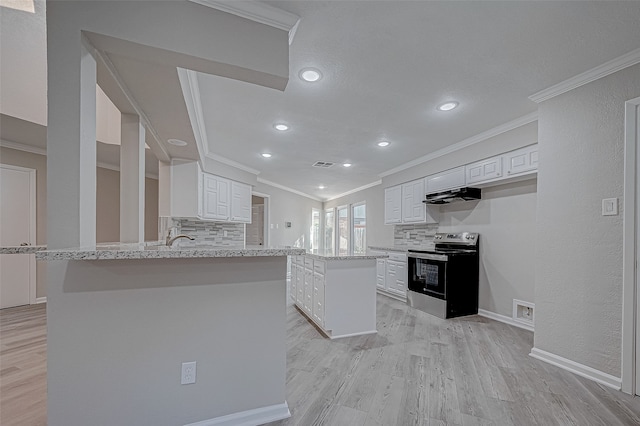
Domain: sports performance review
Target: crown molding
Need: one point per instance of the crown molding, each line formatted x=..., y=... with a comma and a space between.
x=514, y=124
x=232, y=163
x=586, y=77
x=286, y=188
x=116, y=168
x=23, y=147
x=258, y=12
x=353, y=191
x=191, y=93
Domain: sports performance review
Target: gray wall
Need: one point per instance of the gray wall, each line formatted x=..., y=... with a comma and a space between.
x=285, y=206
x=506, y=221
x=579, y=271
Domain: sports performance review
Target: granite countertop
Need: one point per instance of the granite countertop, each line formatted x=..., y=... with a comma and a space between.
x=160, y=251
x=21, y=249
x=325, y=256
x=403, y=248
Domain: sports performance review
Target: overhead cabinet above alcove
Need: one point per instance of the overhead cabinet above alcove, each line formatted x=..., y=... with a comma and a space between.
x=206, y=196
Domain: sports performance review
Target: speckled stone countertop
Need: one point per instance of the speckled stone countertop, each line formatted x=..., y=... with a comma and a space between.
x=402, y=249
x=325, y=256
x=21, y=249
x=160, y=251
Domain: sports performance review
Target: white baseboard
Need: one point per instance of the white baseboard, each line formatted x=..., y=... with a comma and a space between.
x=362, y=333
x=505, y=319
x=41, y=300
x=576, y=368
x=257, y=416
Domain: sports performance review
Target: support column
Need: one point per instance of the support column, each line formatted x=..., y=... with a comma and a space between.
x=131, y=179
x=71, y=141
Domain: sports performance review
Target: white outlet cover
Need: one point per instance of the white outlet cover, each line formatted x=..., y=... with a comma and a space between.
x=610, y=207
x=188, y=373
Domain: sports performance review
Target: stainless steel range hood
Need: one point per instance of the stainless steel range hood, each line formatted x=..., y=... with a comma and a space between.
x=453, y=195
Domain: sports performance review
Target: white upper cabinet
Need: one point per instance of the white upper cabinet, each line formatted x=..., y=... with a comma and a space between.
x=413, y=209
x=484, y=170
x=393, y=205
x=403, y=204
x=522, y=160
x=201, y=195
x=215, y=202
x=454, y=178
x=240, y=202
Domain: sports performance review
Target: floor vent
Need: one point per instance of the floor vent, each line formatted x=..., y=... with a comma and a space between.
x=323, y=164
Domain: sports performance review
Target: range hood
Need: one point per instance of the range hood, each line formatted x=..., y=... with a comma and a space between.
x=453, y=195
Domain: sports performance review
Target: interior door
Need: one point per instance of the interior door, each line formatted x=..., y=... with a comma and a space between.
x=17, y=227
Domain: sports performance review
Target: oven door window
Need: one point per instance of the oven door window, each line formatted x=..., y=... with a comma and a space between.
x=428, y=277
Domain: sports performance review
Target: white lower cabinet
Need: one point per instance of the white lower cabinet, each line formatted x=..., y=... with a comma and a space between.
x=391, y=275
x=338, y=295
x=318, y=298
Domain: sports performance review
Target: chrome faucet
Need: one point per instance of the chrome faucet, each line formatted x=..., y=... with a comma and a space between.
x=170, y=240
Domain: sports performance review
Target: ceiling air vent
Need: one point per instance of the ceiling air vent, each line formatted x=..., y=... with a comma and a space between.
x=323, y=164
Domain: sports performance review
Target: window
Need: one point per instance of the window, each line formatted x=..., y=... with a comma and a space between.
x=329, y=232
x=344, y=232
x=315, y=231
x=359, y=228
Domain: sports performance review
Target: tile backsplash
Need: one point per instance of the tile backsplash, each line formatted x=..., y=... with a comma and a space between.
x=204, y=232
x=418, y=235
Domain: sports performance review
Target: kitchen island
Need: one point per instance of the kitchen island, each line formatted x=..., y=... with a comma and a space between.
x=337, y=293
x=123, y=319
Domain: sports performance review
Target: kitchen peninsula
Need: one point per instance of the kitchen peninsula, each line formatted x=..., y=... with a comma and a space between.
x=123, y=319
x=338, y=293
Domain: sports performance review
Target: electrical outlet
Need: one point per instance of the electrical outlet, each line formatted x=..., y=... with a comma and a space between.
x=526, y=312
x=188, y=373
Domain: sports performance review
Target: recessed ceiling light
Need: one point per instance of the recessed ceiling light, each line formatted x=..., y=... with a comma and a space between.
x=310, y=74
x=176, y=142
x=281, y=126
x=383, y=143
x=347, y=164
x=447, y=106
x=266, y=155
x=321, y=187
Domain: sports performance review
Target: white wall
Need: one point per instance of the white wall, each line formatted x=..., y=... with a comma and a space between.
x=285, y=206
x=579, y=256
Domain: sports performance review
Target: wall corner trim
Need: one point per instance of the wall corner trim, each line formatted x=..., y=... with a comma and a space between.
x=286, y=188
x=586, y=77
x=256, y=416
x=505, y=319
x=23, y=147
x=577, y=368
x=513, y=124
x=258, y=12
x=358, y=189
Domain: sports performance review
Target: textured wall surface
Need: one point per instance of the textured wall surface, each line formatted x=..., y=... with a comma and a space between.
x=505, y=217
x=579, y=253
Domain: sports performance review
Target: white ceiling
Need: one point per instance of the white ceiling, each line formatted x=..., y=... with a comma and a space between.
x=386, y=66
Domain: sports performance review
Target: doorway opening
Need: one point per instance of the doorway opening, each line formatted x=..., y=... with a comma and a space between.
x=257, y=232
x=631, y=251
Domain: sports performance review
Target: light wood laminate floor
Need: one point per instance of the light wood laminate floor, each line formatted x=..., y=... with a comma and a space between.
x=418, y=370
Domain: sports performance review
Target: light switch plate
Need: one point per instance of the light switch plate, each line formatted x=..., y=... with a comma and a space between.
x=610, y=207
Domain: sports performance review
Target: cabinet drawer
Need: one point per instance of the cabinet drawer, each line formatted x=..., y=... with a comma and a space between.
x=319, y=266
x=398, y=257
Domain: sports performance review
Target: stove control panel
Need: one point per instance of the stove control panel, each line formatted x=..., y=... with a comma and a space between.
x=466, y=238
